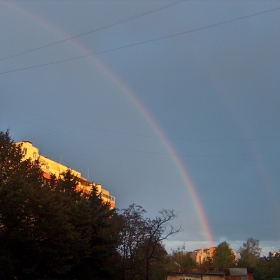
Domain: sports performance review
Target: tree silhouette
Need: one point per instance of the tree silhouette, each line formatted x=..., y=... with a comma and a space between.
x=223, y=256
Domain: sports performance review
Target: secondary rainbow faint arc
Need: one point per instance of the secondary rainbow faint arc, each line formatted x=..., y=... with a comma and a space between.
x=150, y=119
x=173, y=153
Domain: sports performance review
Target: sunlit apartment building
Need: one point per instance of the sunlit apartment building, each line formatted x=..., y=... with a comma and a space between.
x=202, y=254
x=51, y=167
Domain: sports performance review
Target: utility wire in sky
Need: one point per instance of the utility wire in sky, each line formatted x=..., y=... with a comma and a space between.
x=139, y=43
x=127, y=149
x=94, y=30
x=141, y=135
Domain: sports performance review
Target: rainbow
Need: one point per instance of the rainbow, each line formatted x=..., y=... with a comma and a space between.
x=129, y=93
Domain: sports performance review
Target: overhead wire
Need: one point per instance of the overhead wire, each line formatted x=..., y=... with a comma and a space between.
x=140, y=135
x=139, y=43
x=94, y=30
x=131, y=45
x=240, y=156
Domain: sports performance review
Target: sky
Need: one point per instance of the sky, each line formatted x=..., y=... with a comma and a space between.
x=168, y=104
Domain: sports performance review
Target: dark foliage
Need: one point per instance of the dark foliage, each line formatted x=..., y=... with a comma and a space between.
x=48, y=230
x=268, y=267
x=223, y=256
x=249, y=253
x=141, y=250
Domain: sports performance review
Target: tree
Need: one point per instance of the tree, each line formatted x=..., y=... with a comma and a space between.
x=132, y=232
x=223, y=256
x=48, y=230
x=141, y=247
x=179, y=258
x=207, y=263
x=158, y=229
x=268, y=267
x=102, y=260
x=20, y=189
x=249, y=253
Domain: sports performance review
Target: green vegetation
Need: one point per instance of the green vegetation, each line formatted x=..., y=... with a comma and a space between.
x=49, y=230
x=250, y=252
x=265, y=268
x=223, y=256
x=179, y=258
x=268, y=267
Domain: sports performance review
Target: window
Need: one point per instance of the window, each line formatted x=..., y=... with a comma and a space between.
x=24, y=151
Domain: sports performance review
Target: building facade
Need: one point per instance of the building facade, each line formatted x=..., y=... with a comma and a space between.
x=202, y=254
x=51, y=167
x=226, y=274
x=196, y=276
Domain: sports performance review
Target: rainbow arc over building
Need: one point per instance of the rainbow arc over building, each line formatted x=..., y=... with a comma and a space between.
x=75, y=43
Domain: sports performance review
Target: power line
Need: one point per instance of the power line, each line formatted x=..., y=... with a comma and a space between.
x=94, y=30
x=141, y=135
x=126, y=149
x=139, y=43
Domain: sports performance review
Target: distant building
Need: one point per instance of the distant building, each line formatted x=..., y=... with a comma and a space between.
x=226, y=274
x=51, y=167
x=239, y=273
x=192, y=275
x=201, y=254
